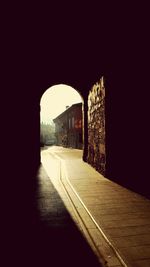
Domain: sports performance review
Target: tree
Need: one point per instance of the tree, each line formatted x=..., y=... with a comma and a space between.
x=47, y=133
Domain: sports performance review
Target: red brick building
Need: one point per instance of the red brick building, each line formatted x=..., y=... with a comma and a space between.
x=68, y=127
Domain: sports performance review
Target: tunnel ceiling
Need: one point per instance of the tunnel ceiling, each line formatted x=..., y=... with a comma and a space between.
x=80, y=56
x=79, y=70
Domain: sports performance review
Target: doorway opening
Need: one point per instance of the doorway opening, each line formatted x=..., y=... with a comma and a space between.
x=61, y=119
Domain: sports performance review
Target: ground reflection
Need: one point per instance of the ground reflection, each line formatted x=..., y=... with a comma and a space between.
x=55, y=237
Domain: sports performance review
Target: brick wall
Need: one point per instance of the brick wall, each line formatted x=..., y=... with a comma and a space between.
x=96, y=127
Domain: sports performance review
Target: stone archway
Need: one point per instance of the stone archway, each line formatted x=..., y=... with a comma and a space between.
x=84, y=114
x=93, y=114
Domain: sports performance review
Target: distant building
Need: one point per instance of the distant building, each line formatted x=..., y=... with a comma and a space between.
x=68, y=127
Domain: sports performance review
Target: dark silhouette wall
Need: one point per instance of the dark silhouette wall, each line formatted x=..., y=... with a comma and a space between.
x=126, y=124
x=126, y=101
x=115, y=47
x=74, y=47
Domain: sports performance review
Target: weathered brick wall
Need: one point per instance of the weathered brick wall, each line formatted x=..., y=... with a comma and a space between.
x=96, y=127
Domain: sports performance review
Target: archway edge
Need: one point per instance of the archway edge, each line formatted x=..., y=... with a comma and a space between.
x=80, y=92
x=81, y=85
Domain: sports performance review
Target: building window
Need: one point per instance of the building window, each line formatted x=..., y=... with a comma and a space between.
x=72, y=122
x=80, y=137
x=69, y=123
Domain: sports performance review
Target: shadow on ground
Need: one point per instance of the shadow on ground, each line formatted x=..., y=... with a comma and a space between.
x=55, y=239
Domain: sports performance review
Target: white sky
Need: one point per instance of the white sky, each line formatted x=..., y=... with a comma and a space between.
x=55, y=100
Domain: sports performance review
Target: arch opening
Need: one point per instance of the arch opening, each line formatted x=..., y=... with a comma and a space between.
x=61, y=118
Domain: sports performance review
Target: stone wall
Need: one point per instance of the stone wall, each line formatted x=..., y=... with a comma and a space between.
x=96, y=127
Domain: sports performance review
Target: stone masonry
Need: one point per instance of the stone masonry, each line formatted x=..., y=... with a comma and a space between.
x=96, y=127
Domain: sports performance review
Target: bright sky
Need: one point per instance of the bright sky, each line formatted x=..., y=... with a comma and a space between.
x=55, y=100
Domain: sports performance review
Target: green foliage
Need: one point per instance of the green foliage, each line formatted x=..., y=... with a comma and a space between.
x=47, y=133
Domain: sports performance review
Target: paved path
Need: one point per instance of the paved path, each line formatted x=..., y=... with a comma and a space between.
x=55, y=240
x=122, y=215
